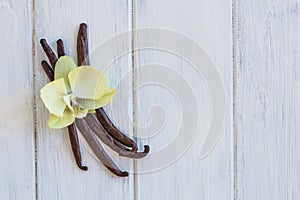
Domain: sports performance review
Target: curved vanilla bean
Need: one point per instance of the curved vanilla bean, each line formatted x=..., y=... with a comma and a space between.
x=48, y=70
x=97, y=148
x=83, y=59
x=103, y=135
x=115, y=132
x=60, y=48
x=93, y=123
x=50, y=54
x=82, y=46
x=73, y=135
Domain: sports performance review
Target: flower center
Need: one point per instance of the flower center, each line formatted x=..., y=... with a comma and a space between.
x=71, y=102
x=74, y=106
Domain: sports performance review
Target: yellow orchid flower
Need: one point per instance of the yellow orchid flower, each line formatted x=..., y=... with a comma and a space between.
x=75, y=92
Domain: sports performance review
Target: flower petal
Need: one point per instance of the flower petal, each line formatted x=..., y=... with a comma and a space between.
x=52, y=95
x=67, y=100
x=81, y=113
x=94, y=104
x=61, y=122
x=93, y=111
x=63, y=66
x=87, y=82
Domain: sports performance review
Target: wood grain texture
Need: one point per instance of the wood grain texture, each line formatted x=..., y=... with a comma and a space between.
x=16, y=119
x=209, y=24
x=268, y=99
x=58, y=175
x=267, y=109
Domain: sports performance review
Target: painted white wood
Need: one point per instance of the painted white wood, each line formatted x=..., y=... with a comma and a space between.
x=16, y=119
x=267, y=141
x=268, y=99
x=58, y=175
x=209, y=24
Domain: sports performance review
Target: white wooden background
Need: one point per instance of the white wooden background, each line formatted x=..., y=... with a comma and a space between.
x=255, y=46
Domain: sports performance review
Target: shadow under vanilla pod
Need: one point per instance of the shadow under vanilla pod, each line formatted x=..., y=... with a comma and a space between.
x=93, y=126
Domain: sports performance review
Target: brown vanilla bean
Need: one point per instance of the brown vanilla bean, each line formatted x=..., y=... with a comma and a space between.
x=73, y=135
x=117, y=172
x=50, y=54
x=96, y=147
x=48, y=70
x=83, y=59
x=60, y=48
x=118, y=135
x=113, y=130
x=104, y=136
x=136, y=155
x=82, y=46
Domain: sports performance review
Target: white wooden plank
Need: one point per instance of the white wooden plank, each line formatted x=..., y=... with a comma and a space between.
x=58, y=175
x=268, y=110
x=209, y=24
x=16, y=119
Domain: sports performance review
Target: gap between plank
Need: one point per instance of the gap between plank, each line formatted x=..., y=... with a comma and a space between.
x=235, y=121
x=33, y=16
x=134, y=118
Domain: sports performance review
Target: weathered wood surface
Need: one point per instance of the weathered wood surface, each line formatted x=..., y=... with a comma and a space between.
x=17, y=178
x=58, y=175
x=208, y=23
x=257, y=161
x=268, y=99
